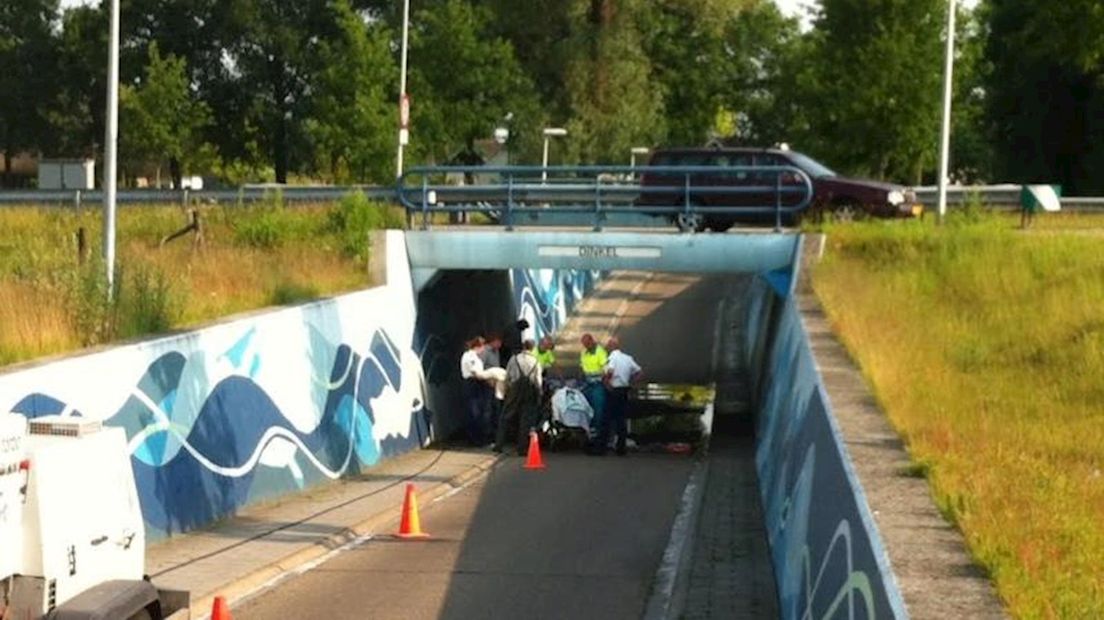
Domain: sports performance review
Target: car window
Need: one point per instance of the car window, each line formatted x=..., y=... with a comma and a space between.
x=812, y=167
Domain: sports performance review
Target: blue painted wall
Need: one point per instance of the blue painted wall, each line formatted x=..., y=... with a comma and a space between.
x=826, y=552
x=253, y=408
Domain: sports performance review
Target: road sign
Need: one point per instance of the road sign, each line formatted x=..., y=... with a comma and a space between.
x=404, y=111
x=599, y=251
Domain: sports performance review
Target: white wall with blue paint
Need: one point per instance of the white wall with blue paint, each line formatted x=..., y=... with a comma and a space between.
x=251, y=408
x=827, y=554
x=547, y=297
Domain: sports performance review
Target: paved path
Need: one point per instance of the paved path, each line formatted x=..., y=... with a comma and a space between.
x=581, y=539
x=671, y=323
x=236, y=556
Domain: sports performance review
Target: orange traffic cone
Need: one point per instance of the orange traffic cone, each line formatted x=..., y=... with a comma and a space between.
x=534, y=460
x=411, y=526
x=220, y=610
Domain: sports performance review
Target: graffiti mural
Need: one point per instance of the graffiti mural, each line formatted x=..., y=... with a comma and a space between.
x=826, y=552
x=250, y=409
x=546, y=297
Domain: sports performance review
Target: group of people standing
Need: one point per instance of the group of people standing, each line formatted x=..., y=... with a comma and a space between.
x=505, y=402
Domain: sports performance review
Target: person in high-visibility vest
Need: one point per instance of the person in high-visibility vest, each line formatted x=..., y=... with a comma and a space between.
x=546, y=353
x=592, y=361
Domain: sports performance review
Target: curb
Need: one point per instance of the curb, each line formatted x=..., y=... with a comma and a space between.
x=672, y=580
x=250, y=584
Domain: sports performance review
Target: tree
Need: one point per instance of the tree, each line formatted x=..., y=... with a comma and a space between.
x=352, y=113
x=270, y=53
x=464, y=81
x=1046, y=91
x=160, y=117
x=28, y=56
x=873, y=103
x=615, y=102
x=77, y=114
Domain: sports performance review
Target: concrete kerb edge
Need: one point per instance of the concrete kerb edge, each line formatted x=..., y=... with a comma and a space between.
x=250, y=584
x=672, y=580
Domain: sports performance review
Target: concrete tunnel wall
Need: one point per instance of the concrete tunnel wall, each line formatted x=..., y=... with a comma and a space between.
x=250, y=408
x=828, y=557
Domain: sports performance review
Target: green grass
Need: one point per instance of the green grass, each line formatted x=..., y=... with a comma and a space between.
x=985, y=345
x=252, y=256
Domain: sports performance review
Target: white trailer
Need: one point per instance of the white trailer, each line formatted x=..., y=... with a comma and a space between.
x=72, y=543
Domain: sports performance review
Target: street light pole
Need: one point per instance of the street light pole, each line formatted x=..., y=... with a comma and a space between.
x=948, y=91
x=111, y=136
x=549, y=132
x=404, y=133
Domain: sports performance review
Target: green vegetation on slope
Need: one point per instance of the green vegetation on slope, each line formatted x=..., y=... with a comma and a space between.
x=251, y=257
x=985, y=346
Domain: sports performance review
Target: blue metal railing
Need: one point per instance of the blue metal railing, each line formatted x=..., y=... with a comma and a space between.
x=688, y=195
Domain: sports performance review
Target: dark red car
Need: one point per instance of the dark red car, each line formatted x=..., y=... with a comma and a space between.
x=834, y=197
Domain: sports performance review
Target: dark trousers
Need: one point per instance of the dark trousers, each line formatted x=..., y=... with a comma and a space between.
x=614, y=420
x=475, y=406
x=595, y=393
x=520, y=414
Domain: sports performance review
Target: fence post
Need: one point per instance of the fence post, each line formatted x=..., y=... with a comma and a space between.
x=778, y=201
x=77, y=202
x=509, y=215
x=598, y=202
x=425, y=202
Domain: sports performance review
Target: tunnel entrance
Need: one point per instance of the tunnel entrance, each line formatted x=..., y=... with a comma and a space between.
x=704, y=310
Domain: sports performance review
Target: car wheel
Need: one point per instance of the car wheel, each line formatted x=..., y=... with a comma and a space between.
x=845, y=211
x=690, y=222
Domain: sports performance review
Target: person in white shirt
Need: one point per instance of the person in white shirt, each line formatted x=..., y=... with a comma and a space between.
x=475, y=390
x=621, y=371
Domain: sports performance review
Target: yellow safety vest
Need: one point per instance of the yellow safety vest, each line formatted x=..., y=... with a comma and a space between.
x=546, y=358
x=593, y=364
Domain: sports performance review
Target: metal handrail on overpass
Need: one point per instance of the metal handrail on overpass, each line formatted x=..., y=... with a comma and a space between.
x=689, y=195
x=1003, y=196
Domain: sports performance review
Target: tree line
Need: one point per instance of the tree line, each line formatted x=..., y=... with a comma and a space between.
x=247, y=90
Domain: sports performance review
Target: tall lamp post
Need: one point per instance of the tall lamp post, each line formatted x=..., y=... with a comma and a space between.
x=111, y=136
x=404, y=100
x=549, y=133
x=948, y=90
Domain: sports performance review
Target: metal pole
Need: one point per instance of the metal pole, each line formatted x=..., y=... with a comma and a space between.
x=948, y=91
x=111, y=135
x=544, y=162
x=402, y=82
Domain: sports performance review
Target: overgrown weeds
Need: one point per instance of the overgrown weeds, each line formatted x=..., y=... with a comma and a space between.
x=986, y=345
x=253, y=256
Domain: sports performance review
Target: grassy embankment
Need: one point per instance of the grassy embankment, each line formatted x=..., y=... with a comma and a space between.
x=251, y=257
x=985, y=345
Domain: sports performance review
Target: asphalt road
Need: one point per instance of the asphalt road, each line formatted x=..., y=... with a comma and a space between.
x=677, y=326
x=580, y=539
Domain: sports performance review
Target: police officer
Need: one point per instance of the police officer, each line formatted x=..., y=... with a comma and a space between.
x=592, y=362
x=621, y=372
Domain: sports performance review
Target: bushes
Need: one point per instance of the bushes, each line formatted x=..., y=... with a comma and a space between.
x=142, y=303
x=356, y=217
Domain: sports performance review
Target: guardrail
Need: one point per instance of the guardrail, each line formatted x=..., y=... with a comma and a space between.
x=692, y=196
x=243, y=195
x=1006, y=196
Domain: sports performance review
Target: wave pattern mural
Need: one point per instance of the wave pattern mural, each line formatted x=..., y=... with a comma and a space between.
x=247, y=410
x=825, y=549
x=547, y=297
